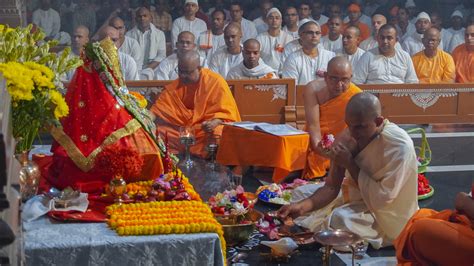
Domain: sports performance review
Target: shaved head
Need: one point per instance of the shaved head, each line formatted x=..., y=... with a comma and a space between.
x=185, y=41
x=339, y=63
x=232, y=36
x=233, y=27
x=338, y=76
x=251, y=43
x=251, y=53
x=431, y=39
x=186, y=34
x=110, y=32
x=364, y=105
x=189, y=66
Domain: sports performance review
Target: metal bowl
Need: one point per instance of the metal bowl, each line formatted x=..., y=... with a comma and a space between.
x=336, y=238
x=235, y=233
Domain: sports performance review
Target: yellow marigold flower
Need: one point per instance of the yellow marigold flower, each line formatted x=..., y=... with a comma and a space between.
x=61, y=109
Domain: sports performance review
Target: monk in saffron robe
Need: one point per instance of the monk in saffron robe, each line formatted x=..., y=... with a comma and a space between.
x=371, y=189
x=199, y=98
x=102, y=113
x=325, y=102
x=463, y=57
x=439, y=238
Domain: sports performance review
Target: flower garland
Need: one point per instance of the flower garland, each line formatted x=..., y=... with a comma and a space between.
x=145, y=187
x=115, y=160
x=164, y=217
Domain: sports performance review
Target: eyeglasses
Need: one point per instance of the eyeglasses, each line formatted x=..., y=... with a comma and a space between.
x=312, y=32
x=337, y=79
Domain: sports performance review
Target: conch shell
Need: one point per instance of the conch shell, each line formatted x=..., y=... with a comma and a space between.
x=282, y=247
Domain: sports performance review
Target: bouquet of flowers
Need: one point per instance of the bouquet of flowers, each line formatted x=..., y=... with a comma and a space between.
x=32, y=77
x=230, y=202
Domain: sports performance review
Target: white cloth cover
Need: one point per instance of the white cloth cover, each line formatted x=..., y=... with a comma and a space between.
x=40, y=205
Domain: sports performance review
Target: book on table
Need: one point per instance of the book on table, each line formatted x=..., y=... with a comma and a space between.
x=274, y=129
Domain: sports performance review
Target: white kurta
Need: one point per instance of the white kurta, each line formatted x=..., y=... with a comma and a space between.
x=446, y=37
x=413, y=44
x=128, y=67
x=456, y=39
x=304, y=68
x=222, y=61
x=240, y=71
x=322, y=19
x=249, y=30
x=332, y=46
x=385, y=198
x=293, y=34
x=290, y=48
x=410, y=30
x=353, y=58
x=131, y=47
x=260, y=25
x=272, y=48
x=168, y=68
x=208, y=43
x=369, y=44
x=196, y=26
x=374, y=68
x=48, y=20
x=152, y=44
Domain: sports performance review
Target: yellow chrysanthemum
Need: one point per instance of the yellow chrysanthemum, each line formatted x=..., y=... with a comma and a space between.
x=19, y=81
x=61, y=109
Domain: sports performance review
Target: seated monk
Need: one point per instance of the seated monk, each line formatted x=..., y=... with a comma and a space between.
x=102, y=112
x=199, y=98
x=374, y=166
x=439, y=238
x=324, y=104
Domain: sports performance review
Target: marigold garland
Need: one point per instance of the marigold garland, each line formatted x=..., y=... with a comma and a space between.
x=164, y=217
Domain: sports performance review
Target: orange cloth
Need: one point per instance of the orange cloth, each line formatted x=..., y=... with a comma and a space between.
x=364, y=30
x=324, y=29
x=213, y=99
x=249, y=147
x=436, y=238
x=331, y=120
x=439, y=69
x=464, y=61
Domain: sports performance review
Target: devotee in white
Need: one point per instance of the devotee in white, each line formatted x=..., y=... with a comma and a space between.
x=404, y=27
x=316, y=13
x=446, y=36
x=378, y=21
x=151, y=40
x=273, y=41
x=290, y=48
x=385, y=64
x=456, y=30
x=212, y=39
x=188, y=22
x=80, y=37
x=128, y=66
x=333, y=40
x=350, y=49
x=413, y=44
x=126, y=44
x=372, y=193
x=230, y=55
x=310, y=62
x=247, y=27
x=252, y=67
x=291, y=22
x=168, y=68
x=49, y=21
x=260, y=22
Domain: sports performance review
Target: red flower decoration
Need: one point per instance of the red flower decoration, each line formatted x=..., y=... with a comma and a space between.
x=115, y=160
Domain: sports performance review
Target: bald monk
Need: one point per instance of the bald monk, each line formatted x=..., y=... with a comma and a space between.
x=252, y=67
x=199, y=98
x=324, y=103
x=439, y=238
x=463, y=57
x=371, y=189
x=433, y=65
